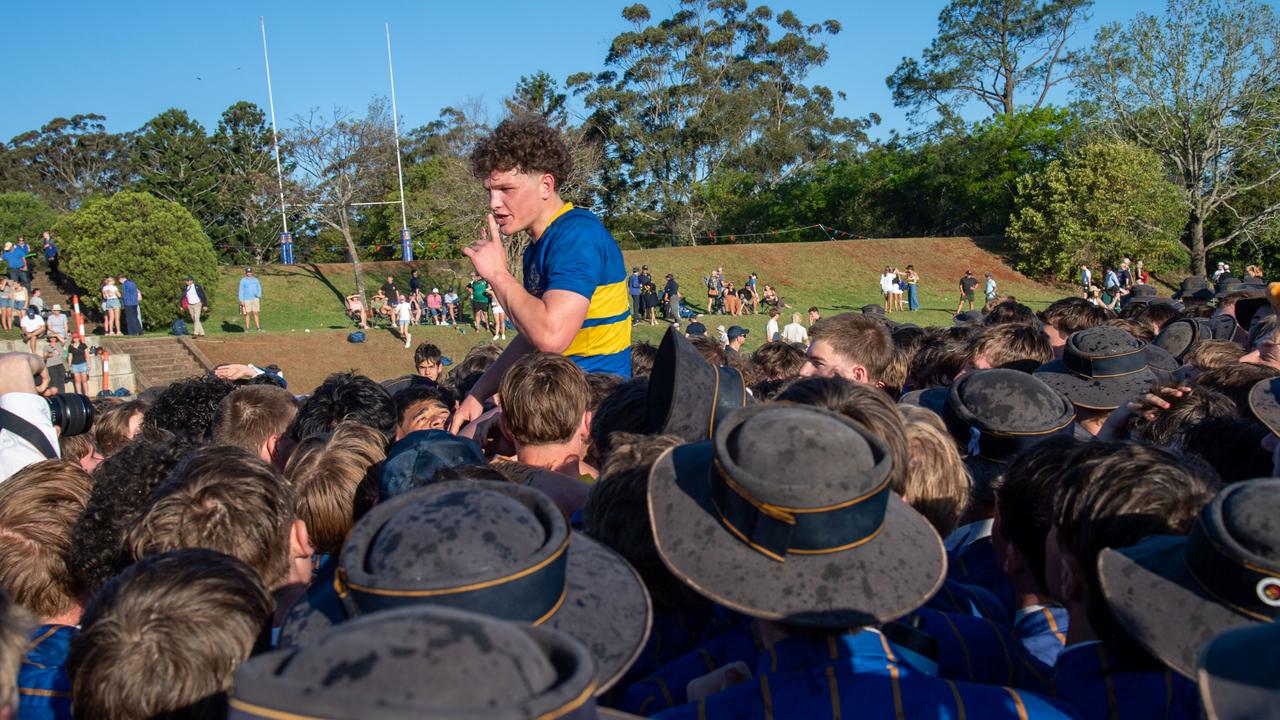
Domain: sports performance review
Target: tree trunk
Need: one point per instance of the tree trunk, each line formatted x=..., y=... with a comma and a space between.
x=355, y=259
x=1195, y=243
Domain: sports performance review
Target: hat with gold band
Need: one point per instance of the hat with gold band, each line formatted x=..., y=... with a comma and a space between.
x=421, y=662
x=1174, y=593
x=1102, y=368
x=787, y=515
x=500, y=549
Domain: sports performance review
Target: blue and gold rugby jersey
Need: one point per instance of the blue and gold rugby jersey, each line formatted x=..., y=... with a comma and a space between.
x=576, y=253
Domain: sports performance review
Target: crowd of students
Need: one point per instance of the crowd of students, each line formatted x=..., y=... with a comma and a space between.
x=1024, y=515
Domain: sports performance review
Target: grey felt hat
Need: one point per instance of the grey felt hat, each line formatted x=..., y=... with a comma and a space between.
x=687, y=395
x=1102, y=368
x=1194, y=288
x=787, y=515
x=1239, y=674
x=497, y=548
x=997, y=413
x=421, y=662
x=1174, y=593
x=1181, y=336
x=1264, y=403
x=1161, y=363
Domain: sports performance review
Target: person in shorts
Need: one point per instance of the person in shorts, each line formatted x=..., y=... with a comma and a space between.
x=79, y=355
x=404, y=317
x=250, y=299
x=111, y=306
x=6, y=303
x=967, y=284
x=479, y=302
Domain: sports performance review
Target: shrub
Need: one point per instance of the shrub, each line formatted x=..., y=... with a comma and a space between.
x=156, y=243
x=1106, y=201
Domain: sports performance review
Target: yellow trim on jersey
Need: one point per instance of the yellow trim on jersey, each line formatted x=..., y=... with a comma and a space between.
x=607, y=301
x=567, y=207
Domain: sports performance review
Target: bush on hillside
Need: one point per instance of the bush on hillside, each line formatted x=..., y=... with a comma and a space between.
x=24, y=215
x=1104, y=202
x=154, y=242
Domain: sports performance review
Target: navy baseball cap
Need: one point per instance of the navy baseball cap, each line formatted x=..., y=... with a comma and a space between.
x=696, y=328
x=737, y=331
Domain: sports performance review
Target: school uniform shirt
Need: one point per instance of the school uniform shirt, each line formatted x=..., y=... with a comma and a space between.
x=1093, y=681
x=1042, y=632
x=44, y=688
x=577, y=254
x=854, y=676
x=961, y=599
x=666, y=688
x=675, y=634
x=975, y=563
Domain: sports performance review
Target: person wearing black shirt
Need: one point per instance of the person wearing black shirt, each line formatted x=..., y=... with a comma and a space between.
x=415, y=284
x=389, y=290
x=79, y=353
x=671, y=298
x=967, y=284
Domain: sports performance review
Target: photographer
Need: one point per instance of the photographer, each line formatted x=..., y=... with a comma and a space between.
x=23, y=378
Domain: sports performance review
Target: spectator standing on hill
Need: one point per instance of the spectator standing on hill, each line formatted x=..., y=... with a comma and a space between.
x=51, y=258
x=14, y=261
x=913, y=279
x=1140, y=274
x=771, y=330
x=25, y=254
x=794, y=332
x=1086, y=278
x=752, y=300
x=479, y=302
x=499, y=320
x=78, y=354
x=1124, y=278
x=250, y=299
x=55, y=355
x=415, y=283
x=6, y=303
x=389, y=290
x=111, y=306
x=194, y=300
x=404, y=318
x=967, y=283
x=634, y=289
x=671, y=299
x=131, y=296
x=990, y=291
x=573, y=300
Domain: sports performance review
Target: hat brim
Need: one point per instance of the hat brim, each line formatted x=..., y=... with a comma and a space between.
x=1095, y=393
x=1154, y=597
x=1200, y=294
x=1264, y=403
x=686, y=393
x=1237, y=674
x=606, y=608
x=876, y=582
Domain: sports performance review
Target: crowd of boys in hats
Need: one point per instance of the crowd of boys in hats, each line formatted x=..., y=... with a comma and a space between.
x=1073, y=513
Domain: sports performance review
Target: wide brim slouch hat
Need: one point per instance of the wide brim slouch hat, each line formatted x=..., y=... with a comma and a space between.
x=1194, y=288
x=1181, y=336
x=1102, y=368
x=1264, y=403
x=421, y=662
x=687, y=395
x=787, y=515
x=496, y=548
x=414, y=460
x=995, y=414
x=1174, y=593
x=1237, y=674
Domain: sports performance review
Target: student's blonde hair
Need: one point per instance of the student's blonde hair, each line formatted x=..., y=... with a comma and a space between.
x=937, y=485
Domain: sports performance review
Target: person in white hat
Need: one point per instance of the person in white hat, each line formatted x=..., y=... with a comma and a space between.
x=57, y=322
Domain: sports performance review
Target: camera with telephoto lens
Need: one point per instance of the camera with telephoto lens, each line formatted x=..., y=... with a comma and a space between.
x=72, y=413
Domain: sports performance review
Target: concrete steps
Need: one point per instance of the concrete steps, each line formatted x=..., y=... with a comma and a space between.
x=121, y=369
x=158, y=361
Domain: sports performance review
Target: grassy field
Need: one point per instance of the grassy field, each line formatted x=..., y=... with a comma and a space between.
x=302, y=306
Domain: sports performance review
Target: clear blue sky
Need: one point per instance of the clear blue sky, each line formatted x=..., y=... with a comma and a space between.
x=132, y=60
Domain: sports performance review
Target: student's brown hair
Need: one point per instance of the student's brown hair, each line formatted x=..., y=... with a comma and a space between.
x=1236, y=380
x=868, y=406
x=937, y=485
x=1135, y=327
x=1073, y=314
x=15, y=626
x=778, y=360
x=39, y=505
x=544, y=397
x=1012, y=345
x=859, y=339
x=326, y=473
x=642, y=356
x=524, y=143
x=111, y=427
x=1213, y=354
x=74, y=448
x=251, y=414
x=220, y=498
x=709, y=349
x=1112, y=495
x=164, y=638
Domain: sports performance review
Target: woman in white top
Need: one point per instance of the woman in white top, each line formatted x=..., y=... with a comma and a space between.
x=888, y=283
x=499, y=320
x=404, y=317
x=795, y=332
x=111, y=307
